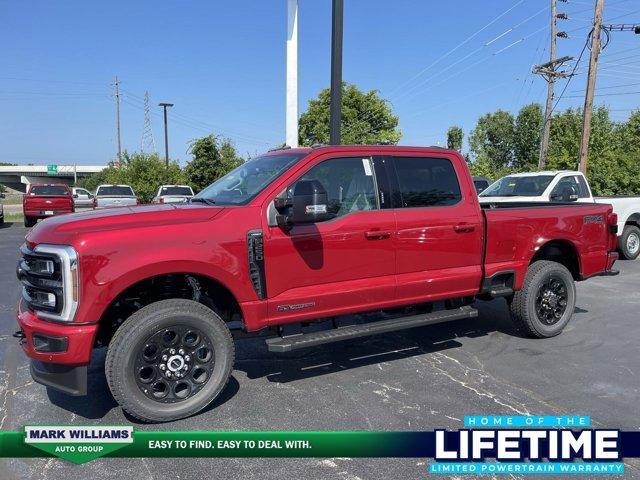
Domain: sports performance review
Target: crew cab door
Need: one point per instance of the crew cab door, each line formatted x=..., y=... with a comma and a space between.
x=439, y=236
x=337, y=266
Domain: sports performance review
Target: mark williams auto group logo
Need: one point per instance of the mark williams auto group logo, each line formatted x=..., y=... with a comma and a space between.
x=527, y=445
x=78, y=444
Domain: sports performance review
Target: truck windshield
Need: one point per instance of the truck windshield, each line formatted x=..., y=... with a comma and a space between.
x=115, y=190
x=513, y=186
x=176, y=191
x=48, y=190
x=239, y=186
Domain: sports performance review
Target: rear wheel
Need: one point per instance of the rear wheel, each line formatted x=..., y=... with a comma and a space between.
x=629, y=242
x=169, y=360
x=545, y=304
x=29, y=221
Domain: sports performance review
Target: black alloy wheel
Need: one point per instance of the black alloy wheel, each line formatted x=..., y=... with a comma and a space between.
x=174, y=364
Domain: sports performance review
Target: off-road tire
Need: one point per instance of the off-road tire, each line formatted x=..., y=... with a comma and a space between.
x=625, y=245
x=132, y=335
x=523, y=306
x=30, y=221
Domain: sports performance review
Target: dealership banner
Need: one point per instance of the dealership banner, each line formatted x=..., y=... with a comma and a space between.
x=491, y=445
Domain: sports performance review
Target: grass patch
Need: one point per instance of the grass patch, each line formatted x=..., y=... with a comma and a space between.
x=13, y=217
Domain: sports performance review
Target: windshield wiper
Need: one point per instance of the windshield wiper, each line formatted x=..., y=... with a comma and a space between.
x=207, y=201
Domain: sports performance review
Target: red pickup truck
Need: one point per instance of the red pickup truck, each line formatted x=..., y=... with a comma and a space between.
x=291, y=238
x=42, y=201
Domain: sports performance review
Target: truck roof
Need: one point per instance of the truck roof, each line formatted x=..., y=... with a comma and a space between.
x=372, y=148
x=545, y=172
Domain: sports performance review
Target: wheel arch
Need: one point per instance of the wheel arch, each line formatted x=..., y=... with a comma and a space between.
x=633, y=219
x=561, y=251
x=141, y=291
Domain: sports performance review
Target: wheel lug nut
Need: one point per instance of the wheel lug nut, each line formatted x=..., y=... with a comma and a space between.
x=164, y=357
x=181, y=352
x=162, y=366
x=172, y=351
x=187, y=358
x=168, y=374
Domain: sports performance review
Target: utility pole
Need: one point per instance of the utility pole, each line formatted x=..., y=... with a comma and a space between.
x=292, y=74
x=591, y=85
x=166, y=134
x=549, y=73
x=336, y=72
x=116, y=84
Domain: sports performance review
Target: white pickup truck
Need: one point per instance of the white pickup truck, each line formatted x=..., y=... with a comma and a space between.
x=568, y=186
x=114, y=196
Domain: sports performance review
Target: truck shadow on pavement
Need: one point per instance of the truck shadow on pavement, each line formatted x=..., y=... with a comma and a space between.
x=253, y=358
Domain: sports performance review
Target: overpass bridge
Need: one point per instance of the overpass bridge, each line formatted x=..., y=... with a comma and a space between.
x=17, y=177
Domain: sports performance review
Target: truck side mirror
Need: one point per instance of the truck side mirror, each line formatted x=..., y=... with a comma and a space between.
x=307, y=205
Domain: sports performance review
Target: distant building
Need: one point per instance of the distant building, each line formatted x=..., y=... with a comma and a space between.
x=17, y=177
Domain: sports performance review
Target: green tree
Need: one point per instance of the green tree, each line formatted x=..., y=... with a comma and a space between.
x=454, y=138
x=366, y=119
x=212, y=159
x=492, y=140
x=526, y=137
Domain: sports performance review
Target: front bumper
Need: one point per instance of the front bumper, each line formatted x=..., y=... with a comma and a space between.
x=69, y=344
x=59, y=353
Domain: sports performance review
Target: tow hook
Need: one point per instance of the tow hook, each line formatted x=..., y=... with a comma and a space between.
x=21, y=336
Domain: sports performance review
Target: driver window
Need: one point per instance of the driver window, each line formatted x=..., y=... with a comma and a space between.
x=349, y=184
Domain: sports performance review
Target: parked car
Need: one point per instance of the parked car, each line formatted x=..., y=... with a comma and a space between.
x=46, y=200
x=569, y=186
x=114, y=196
x=481, y=183
x=82, y=197
x=287, y=239
x=173, y=194
x=1, y=209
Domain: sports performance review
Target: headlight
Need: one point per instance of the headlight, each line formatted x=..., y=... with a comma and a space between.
x=49, y=275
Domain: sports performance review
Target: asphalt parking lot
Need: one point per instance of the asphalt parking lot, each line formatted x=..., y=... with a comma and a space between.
x=418, y=379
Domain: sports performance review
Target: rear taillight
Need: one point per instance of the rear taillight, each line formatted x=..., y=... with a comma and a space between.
x=612, y=221
x=95, y=202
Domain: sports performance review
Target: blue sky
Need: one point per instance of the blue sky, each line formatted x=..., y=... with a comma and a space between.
x=223, y=64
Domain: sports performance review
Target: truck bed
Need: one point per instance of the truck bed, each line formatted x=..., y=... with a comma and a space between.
x=517, y=230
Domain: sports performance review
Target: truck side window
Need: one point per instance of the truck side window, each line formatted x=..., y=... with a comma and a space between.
x=563, y=183
x=427, y=182
x=583, y=191
x=348, y=182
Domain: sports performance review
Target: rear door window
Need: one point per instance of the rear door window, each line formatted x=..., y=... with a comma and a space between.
x=426, y=182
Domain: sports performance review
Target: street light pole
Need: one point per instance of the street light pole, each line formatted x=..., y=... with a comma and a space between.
x=336, y=72
x=166, y=134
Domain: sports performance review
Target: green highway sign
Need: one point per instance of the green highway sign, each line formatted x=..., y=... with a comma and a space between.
x=52, y=169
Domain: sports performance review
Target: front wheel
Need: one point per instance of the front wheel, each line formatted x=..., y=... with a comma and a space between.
x=629, y=242
x=169, y=360
x=545, y=304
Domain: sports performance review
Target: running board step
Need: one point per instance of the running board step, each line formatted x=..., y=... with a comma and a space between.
x=304, y=340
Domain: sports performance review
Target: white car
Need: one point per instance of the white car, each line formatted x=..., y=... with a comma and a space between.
x=568, y=186
x=173, y=194
x=82, y=197
x=114, y=196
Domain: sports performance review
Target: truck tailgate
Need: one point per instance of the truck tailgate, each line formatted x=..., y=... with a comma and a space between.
x=515, y=233
x=108, y=201
x=48, y=203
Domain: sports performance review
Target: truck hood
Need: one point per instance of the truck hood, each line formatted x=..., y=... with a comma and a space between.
x=64, y=229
